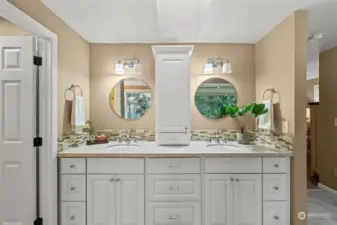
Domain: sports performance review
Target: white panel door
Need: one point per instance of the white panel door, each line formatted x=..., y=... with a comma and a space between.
x=219, y=199
x=173, y=93
x=248, y=199
x=101, y=204
x=17, y=128
x=130, y=200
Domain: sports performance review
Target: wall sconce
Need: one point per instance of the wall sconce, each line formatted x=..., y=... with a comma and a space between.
x=130, y=63
x=217, y=63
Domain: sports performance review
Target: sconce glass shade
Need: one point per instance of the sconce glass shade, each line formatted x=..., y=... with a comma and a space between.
x=137, y=68
x=227, y=67
x=119, y=68
x=208, y=69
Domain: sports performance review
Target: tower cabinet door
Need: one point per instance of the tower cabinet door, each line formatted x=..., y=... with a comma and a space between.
x=248, y=199
x=219, y=199
x=101, y=209
x=130, y=199
x=173, y=93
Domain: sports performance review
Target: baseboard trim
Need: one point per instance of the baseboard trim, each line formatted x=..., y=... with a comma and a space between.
x=327, y=189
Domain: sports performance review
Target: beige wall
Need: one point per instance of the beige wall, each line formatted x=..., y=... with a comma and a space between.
x=8, y=29
x=309, y=89
x=73, y=53
x=281, y=64
x=328, y=112
x=104, y=56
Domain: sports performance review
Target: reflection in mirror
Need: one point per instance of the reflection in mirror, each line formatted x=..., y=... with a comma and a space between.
x=130, y=98
x=212, y=95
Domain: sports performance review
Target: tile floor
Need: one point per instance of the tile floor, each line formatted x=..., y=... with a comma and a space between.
x=322, y=208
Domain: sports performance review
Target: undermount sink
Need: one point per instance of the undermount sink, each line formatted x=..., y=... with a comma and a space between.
x=122, y=146
x=223, y=146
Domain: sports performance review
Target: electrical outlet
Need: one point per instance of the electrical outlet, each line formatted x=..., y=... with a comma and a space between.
x=335, y=172
x=285, y=127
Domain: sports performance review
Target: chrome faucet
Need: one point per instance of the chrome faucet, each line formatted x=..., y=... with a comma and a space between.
x=127, y=138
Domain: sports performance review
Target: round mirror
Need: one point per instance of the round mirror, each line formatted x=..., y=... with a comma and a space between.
x=212, y=95
x=130, y=98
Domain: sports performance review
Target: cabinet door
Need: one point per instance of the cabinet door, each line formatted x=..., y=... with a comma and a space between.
x=101, y=200
x=173, y=93
x=219, y=199
x=248, y=199
x=130, y=200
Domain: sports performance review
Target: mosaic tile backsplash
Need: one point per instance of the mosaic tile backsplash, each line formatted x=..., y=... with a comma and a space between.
x=257, y=137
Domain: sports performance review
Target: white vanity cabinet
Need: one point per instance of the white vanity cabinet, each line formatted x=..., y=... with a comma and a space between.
x=115, y=199
x=199, y=190
x=230, y=196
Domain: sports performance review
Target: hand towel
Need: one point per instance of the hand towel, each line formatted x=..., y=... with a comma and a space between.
x=266, y=121
x=78, y=112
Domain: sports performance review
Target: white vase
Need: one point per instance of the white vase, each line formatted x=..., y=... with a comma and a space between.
x=242, y=138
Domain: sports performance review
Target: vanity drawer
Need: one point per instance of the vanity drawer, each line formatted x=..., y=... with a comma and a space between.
x=173, y=165
x=275, y=187
x=72, y=165
x=173, y=213
x=73, y=213
x=275, y=213
x=73, y=188
x=116, y=165
x=275, y=165
x=233, y=165
x=167, y=188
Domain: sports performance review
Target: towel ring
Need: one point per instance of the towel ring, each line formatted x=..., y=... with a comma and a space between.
x=272, y=90
x=73, y=89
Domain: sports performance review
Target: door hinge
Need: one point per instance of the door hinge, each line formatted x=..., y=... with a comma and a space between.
x=37, y=142
x=38, y=221
x=37, y=60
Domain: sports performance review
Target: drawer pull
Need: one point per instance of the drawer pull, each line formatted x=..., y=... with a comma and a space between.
x=73, y=188
x=174, y=188
x=72, y=218
x=276, y=217
x=112, y=179
x=237, y=179
x=173, y=217
x=118, y=179
x=173, y=166
x=72, y=166
x=232, y=179
x=276, y=165
x=275, y=188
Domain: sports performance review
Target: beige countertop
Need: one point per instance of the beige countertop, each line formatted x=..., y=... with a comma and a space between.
x=150, y=149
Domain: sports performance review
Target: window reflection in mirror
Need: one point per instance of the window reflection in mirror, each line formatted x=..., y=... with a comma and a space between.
x=130, y=98
x=212, y=95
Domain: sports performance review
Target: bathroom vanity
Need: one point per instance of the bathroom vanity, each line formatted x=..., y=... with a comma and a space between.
x=200, y=184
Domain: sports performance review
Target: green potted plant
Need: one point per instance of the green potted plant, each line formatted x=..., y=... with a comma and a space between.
x=252, y=109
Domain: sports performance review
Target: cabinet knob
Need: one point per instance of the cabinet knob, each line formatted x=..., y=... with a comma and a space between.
x=72, y=166
x=112, y=179
x=237, y=179
x=276, y=165
x=118, y=179
x=73, y=188
x=232, y=179
x=276, y=217
x=72, y=218
x=275, y=188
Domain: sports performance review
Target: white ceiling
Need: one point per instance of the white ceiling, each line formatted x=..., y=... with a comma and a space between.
x=158, y=21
